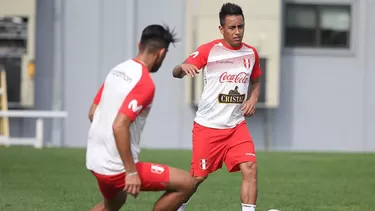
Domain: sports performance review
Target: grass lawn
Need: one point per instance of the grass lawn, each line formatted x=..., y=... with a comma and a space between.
x=56, y=179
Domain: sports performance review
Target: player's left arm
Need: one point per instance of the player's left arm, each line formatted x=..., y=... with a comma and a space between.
x=95, y=103
x=254, y=88
x=137, y=100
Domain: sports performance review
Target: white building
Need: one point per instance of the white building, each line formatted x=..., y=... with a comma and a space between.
x=316, y=56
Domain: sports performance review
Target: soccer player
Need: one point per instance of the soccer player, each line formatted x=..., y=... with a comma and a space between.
x=231, y=73
x=118, y=115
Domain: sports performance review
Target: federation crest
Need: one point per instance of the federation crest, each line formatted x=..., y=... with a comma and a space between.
x=157, y=169
x=247, y=63
x=203, y=164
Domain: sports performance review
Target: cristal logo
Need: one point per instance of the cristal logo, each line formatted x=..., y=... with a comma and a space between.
x=241, y=77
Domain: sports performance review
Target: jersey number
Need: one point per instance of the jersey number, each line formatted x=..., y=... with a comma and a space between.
x=133, y=105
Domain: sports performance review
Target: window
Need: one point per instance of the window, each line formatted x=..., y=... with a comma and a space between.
x=13, y=45
x=324, y=26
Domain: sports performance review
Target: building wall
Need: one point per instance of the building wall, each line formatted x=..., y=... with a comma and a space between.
x=87, y=43
x=325, y=97
x=83, y=55
x=328, y=97
x=44, y=64
x=369, y=63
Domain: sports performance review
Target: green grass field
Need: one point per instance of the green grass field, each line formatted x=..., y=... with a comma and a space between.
x=56, y=179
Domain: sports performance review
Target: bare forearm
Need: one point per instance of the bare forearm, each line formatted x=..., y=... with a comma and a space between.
x=92, y=111
x=122, y=137
x=177, y=72
x=254, y=91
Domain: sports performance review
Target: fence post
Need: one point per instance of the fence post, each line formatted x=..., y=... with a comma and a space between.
x=39, y=133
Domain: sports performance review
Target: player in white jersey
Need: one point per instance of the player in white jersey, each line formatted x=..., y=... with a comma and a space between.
x=220, y=134
x=118, y=115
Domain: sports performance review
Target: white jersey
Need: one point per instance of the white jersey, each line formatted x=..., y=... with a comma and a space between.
x=128, y=89
x=227, y=73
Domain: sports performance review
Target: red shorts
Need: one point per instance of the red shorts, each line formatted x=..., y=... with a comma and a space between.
x=212, y=147
x=154, y=177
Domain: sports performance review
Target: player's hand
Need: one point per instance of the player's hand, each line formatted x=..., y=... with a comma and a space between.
x=248, y=109
x=132, y=184
x=189, y=69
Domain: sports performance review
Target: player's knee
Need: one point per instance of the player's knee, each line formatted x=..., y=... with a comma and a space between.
x=249, y=170
x=189, y=185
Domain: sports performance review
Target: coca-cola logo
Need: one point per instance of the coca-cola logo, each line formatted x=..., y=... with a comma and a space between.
x=241, y=77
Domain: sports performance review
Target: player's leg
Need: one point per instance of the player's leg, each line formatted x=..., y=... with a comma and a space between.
x=112, y=204
x=181, y=185
x=111, y=188
x=241, y=157
x=249, y=185
x=207, y=153
x=177, y=183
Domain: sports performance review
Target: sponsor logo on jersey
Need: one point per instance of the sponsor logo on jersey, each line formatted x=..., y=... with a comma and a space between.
x=233, y=97
x=122, y=75
x=241, y=77
x=225, y=62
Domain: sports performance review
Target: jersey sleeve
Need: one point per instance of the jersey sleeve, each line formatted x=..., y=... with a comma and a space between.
x=99, y=95
x=257, y=72
x=199, y=56
x=138, y=99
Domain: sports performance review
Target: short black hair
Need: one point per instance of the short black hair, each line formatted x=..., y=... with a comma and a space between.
x=229, y=9
x=155, y=37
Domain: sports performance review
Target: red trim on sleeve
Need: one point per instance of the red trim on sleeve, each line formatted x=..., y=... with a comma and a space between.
x=99, y=95
x=139, y=97
x=200, y=56
x=257, y=71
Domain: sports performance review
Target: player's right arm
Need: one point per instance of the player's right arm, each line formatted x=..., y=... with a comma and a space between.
x=140, y=97
x=185, y=69
x=193, y=63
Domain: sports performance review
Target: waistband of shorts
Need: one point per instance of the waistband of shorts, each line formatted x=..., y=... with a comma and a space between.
x=209, y=125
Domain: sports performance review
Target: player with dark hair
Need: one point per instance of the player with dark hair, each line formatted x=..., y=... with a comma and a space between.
x=220, y=134
x=117, y=116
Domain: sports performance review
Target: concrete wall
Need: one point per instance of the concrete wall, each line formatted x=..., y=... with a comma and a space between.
x=88, y=42
x=368, y=46
x=327, y=98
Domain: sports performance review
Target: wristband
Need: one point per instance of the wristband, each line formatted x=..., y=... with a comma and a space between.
x=129, y=174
